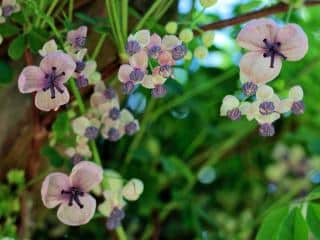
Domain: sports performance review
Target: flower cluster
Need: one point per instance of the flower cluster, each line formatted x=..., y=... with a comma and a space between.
x=56, y=68
x=151, y=61
x=268, y=46
x=115, y=196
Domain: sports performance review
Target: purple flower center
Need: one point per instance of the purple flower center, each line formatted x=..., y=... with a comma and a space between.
x=249, y=89
x=154, y=51
x=114, y=113
x=136, y=75
x=234, y=114
x=272, y=50
x=297, y=108
x=113, y=134
x=159, y=91
x=110, y=93
x=91, y=132
x=165, y=71
x=127, y=87
x=80, y=41
x=266, y=130
x=76, y=159
x=131, y=128
x=52, y=82
x=132, y=47
x=82, y=81
x=266, y=108
x=80, y=65
x=74, y=193
x=7, y=10
x=179, y=52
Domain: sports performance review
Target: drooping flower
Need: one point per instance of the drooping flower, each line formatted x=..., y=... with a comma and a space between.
x=48, y=80
x=137, y=42
x=296, y=100
x=230, y=107
x=128, y=124
x=8, y=7
x=154, y=47
x=77, y=38
x=82, y=126
x=174, y=45
x=77, y=206
x=156, y=83
x=268, y=46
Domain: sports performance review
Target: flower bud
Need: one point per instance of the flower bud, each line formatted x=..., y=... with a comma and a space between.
x=133, y=189
x=171, y=27
x=201, y=52
x=207, y=3
x=188, y=56
x=186, y=35
x=207, y=38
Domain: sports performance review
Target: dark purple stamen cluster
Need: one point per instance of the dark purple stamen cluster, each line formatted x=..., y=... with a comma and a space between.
x=82, y=81
x=109, y=93
x=52, y=82
x=179, y=52
x=127, y=87
x=297, y=108
x=91, y=132
x=234, y=114
x=80, y=42
x=131, y=128
x=165, y=71
x=113, y=134
x=76, y=159
x=154, y=51
x=115, y=218
x=159, y=91
x=272, y=50
x=114, y=113
x=7, y=10
x=266, y=108
x=136, y=75
x=80, y=65
x=249, y=89
x=266, y=130
x=132, y=47
x=74, y=193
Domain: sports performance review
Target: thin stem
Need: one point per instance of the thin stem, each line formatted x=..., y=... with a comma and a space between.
x=289, y=14
x=41, y=7
x=95, y=153
x=124, y=17
x=77, y=95
x=99, y=46
x=70, y=12
x=194, y=21
x=148, y=14
x=121, y=233
x=112, y=24
x=49, y=12
x=163, y=10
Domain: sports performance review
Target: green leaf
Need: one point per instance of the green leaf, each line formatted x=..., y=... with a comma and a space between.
x=293, y=227
x=7, y=29
x=16, y=48
x=15, y=176
x=86, y=18
x=313, y=219
x=36, y=40
x=6, y=75
x=271, y=224
x=54, y=157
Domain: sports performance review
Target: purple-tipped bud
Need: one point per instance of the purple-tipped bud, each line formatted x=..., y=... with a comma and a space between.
x=136, y=75
x=109, y=93
x=91, y=132
x=131, y=128
x=76, y=159
x=7, y=10
x=113, y=134
x=118, y=213
x=297, y=108
x=159, y=91
x=249, y=89
x=179, y=52
x=132, y=47
x=154, y=51
x=82, y=81
x=165, y=71
x=127, y=87
x=80, y=42
x=234, y=114
x=266, y=108
x=114, y=113
x=80, y=65
x=266, y=130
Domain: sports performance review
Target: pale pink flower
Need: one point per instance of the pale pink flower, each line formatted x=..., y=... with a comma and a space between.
x=77, y=38
x=175, y=46
x=48, y=80
x=137, y=42
x=154, y=47
x=268, y=46
x=156, y=83
x=77, y=207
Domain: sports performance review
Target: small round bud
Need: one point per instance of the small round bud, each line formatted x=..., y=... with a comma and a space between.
x=201, y=52
x=133, y=189
x=207, y=3
x=234, y=114
x=266, y=130
x=82, y=81
x=249, y=89
x=171, y=27
x=159, y=91
x=80, y=65
x=114, y=113
x=297, y=108
x=186, y=35
x=131, y=128
x=207, y=38
x=188, y=56
x=91, y=132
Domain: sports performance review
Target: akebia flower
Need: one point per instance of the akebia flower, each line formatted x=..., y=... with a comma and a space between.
x=230, y=108
x=77, y=206
x=268, y=46
x=48, y=80
x=137, y=42
x=77, y=38
x=7, y=8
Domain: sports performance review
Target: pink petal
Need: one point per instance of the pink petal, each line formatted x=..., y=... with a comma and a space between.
x=86, y=175
x=252, y=35
x=97, y=99
x=139, y=60
x=294, y=42
x=147, y=82
x=44, y=102
x=62, y=62
x=165, y=58
x=31, y=79
x=155, y=40
x=51, y=189
x=256, y=68
x=124, y=73
x=170, y=41
x=80, y=32
x=74, y=215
